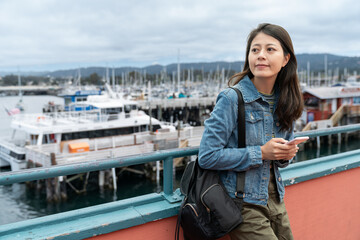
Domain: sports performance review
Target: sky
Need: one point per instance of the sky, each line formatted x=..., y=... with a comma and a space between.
x=48, y=35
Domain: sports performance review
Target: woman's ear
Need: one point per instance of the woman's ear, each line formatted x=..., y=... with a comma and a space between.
x=286, y=59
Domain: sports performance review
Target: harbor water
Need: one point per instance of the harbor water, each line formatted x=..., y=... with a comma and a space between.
x=20, y=203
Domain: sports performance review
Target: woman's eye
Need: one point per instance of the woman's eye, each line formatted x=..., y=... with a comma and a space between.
x=254, y=50
x=271, y=49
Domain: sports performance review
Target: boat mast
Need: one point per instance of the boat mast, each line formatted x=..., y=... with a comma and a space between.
x=113, y=79
x=308, y=74
x=326, y=71
x=78, y=82
x=178, y=71
x=19, y=83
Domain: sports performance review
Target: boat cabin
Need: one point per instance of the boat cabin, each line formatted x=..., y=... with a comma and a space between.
x=78, y=96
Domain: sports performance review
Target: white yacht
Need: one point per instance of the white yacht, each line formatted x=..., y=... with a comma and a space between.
x=105, y=116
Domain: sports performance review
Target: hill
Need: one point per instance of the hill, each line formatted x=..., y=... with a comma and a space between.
x=317, y=63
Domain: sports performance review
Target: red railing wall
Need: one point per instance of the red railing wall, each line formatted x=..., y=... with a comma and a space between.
x=325, y=208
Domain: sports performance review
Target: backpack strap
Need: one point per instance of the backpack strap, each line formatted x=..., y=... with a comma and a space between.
x=240, y=179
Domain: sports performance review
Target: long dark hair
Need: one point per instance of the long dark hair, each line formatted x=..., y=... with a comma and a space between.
x=290, y=104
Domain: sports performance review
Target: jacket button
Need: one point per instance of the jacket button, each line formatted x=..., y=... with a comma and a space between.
x=277, y=124
x=279, y=179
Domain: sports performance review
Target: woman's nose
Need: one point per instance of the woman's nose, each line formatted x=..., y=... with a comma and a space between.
x=261, y=54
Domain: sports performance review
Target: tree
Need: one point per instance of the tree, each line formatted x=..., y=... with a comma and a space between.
x=93, y=79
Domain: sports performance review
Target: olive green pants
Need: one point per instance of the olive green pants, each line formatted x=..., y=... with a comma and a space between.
x=270, y=222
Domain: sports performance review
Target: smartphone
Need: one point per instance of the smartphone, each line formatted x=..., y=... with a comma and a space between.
x=298, y=140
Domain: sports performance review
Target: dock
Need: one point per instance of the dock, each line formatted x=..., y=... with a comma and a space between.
x=30, y=90
x=188, y=110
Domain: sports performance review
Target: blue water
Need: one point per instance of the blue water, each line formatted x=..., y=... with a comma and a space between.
x=20, y=203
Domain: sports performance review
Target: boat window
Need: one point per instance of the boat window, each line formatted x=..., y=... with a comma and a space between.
x=127, y=130
x=156, y=127
x=111, y=110
x=144, y=128
x=92, y=134
x=127, y=108
x=137, y=129
x=66, y=136
x=133, y=107
x=110, y=132
x=45, y=139
x=33, y=139
x=80, y=99
x=17, y=156
x=75, y=135
x=84, y=134
x=99, y=133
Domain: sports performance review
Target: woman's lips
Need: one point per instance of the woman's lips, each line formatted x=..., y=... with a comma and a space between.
x=261, y=65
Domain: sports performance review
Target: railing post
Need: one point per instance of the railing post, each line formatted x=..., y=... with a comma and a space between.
x=168, y=175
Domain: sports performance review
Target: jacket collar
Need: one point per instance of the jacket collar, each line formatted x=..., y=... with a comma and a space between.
x=248, y=90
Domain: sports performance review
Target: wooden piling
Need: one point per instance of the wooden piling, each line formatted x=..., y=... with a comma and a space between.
x=52, y=185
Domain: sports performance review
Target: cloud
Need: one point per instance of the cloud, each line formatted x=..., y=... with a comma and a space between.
x=51, y=34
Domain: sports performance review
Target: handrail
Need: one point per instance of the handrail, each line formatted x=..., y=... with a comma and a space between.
x=68, y=169
x=329, y=131
x=163, y=155
x=91, y=221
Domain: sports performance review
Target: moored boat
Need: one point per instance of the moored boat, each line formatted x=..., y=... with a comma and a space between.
x=107, y=118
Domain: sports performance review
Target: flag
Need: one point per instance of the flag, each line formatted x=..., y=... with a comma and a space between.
x=12, y=111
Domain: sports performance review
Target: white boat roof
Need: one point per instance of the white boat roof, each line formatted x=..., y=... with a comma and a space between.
x=333, y=92
x=104, y=101
x=66, y=122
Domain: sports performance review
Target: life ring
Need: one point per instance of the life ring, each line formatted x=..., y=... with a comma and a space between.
x=40, y=118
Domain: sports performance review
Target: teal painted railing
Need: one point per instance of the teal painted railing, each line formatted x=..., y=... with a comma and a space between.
x=109, y=217
x=165, y=155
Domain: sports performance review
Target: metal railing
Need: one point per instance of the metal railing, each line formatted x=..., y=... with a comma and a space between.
x=166, y=204
x=166, y=155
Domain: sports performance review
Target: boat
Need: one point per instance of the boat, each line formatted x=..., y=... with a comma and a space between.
x=103, y=118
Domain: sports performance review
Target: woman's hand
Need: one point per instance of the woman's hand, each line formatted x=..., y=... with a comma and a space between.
x=276, y=149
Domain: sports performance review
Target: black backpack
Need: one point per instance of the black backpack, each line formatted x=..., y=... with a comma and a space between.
x=207, y=211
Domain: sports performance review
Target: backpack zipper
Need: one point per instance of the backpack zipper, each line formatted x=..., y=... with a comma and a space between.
x=202, y=195
x=192, y=207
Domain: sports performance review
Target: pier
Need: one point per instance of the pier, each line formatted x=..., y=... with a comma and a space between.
x=314, y=190
x=188, y=110
x=30, y=90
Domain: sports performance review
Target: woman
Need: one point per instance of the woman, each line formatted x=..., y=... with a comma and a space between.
x=273, y=101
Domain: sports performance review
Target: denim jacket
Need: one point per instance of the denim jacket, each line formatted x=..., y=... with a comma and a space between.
x=219, y=144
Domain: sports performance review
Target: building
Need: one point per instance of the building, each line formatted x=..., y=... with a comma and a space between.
x=322, y=102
